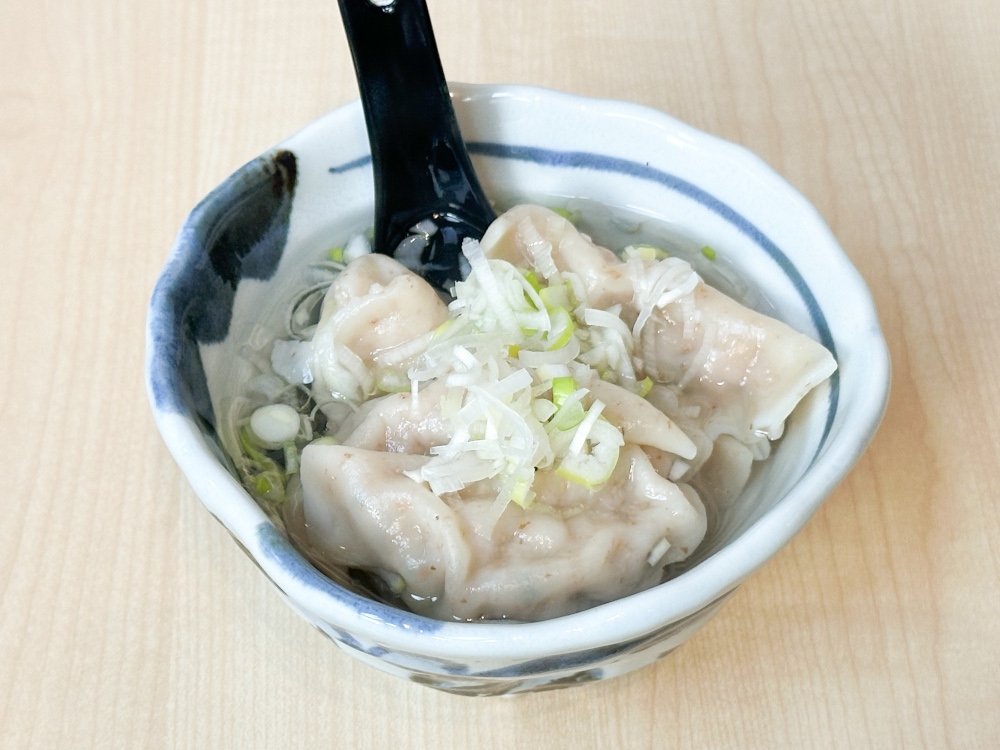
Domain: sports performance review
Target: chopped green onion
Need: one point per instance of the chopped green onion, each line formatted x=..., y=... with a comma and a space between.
x=562, y=388
x=262, y=472
x=275, y=424
x=337, y=254
x=708, y=252
x=543, y=409
x=443, y=328
x=556, y=296
x=647, y=252
x=562, y=328
x=594, y=466
x=291, y=458
x=395, y=582
x=522, y=493
x=571, y=216
x=392, y=381
x=588, y=470
x=250, y=448
x=645, y=386
x=570, y=414
x=532, y=279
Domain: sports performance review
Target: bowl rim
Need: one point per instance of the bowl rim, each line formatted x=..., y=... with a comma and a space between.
x=621, y=620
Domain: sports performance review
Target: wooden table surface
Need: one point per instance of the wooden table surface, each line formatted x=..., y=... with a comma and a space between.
x=129, y=618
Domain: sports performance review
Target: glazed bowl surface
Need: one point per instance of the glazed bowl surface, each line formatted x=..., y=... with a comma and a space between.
x=241, y=252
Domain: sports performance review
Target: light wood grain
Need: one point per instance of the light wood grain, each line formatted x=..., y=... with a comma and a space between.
x=128, y=618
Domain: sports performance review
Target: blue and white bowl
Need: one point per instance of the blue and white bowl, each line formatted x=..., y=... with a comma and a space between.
x=241, y=253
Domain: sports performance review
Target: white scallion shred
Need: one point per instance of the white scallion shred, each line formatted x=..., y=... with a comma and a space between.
x=677, y=470
x=291, y=360
x=659, y=285
x=410, y=249
x=356, y=246
x=539, y=249
x=583, y=431
x=426, y=227
x=659, y=550
x=606, y=319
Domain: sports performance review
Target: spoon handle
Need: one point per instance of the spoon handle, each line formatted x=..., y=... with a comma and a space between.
x=421, y=166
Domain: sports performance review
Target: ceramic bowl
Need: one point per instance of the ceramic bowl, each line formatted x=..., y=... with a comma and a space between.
x=243, y=249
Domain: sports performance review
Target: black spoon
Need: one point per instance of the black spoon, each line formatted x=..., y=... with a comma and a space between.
x=422, y=168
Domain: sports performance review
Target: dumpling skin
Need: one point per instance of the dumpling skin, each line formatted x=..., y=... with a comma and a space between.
x=512, y=236
x=573, y=549
x=726, y=472
x=745, y=368
x=640, y=422
x=397, y=424
x=373, y=310
x=362, y=511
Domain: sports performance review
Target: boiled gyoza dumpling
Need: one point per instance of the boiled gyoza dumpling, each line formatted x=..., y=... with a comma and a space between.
x=745, y=370
x=396, y=423
x=576, y=549
x=372, y=321
x=362, y=511
x=538, y=238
